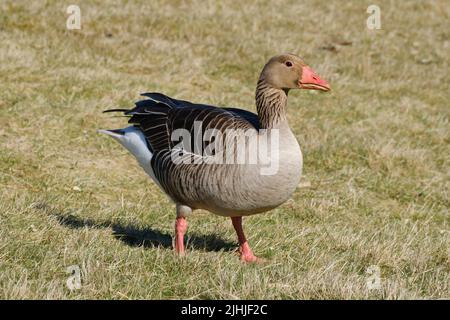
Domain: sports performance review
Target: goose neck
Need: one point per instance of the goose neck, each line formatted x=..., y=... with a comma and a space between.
x=271, y=105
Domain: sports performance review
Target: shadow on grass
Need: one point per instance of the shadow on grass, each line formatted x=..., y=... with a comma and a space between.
x=146, y=237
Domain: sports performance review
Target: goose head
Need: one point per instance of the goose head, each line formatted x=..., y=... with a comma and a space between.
x=288, y=71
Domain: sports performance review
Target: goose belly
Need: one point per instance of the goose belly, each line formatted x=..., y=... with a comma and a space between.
x=244, y=190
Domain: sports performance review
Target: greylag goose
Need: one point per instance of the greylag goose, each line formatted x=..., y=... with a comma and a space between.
x=233, y=188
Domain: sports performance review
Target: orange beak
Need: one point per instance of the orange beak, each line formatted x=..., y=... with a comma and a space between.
x=310, y=80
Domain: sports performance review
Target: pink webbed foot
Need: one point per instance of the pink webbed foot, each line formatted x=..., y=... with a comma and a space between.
x=247, y=255
x=245, y=252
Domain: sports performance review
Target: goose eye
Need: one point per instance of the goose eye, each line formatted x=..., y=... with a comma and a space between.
x=288, y=63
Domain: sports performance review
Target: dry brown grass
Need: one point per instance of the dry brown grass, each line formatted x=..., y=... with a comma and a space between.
x=376, y=185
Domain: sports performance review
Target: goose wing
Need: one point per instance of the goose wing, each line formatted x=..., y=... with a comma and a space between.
x=159, y=116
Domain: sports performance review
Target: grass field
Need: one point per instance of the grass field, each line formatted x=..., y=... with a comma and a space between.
x=375, y=191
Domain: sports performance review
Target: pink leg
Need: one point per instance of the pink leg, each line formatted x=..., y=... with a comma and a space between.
x=244, y=248
x=180, y=230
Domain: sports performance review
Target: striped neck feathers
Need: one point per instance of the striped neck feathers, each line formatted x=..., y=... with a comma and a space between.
x=271, y=105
